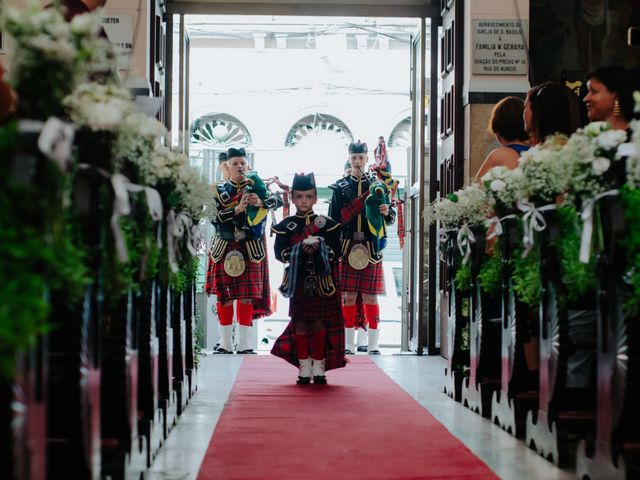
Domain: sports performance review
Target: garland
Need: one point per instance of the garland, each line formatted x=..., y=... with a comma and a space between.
x=490, y=275
x=526, y=276
x=579, y=278
x=630, y=198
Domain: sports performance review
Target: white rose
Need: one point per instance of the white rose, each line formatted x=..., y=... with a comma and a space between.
x=611, y=138
x=593, y=129
x=497, y=185
x=103, y=116
x=600, y=165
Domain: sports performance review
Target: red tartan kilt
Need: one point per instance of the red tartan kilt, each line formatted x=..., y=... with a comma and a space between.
x=310, y=309
x=249, y=285
x=369, y=280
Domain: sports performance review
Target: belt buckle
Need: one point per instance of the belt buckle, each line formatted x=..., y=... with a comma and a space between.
x=310, y=286
x=358, y=236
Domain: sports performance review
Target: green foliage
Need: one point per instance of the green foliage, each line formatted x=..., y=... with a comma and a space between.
x=463, y=278
x=526, y=276
x=578, y=277
x=631, y=202
x=490, y=275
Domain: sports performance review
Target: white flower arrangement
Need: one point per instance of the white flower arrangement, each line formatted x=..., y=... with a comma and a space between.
x=633, y=160
x=503, y=186
x=195, y=193
x=99, y=107
x=589, y=154
x=136, y=139
x=42, y=36
x=466, y=206
x=546, y=175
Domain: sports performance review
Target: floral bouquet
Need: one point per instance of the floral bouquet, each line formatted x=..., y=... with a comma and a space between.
x=52, y=56
x=466, y=206
x=503, y=188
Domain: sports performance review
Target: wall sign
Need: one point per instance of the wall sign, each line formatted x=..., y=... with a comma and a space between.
x=498, y=47
x=119, y=30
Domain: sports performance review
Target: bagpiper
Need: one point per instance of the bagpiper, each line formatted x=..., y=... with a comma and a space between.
x=237, y=258
x=310, y=244
x=361, y=204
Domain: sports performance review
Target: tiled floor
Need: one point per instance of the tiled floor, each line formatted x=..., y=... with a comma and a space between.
x=421, y=377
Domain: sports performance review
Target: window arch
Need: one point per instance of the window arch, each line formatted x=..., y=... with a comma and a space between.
x=316, y=124
x=401, y=134
x=220, y=131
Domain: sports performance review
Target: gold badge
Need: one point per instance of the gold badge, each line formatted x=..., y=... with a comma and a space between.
x=358, y=257
x=234, y=265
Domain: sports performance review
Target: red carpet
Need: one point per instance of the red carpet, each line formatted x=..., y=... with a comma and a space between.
x=366, y=427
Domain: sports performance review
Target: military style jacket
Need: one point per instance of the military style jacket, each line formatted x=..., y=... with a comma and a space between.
x=238, y=228
x=347, y=207
x=290, y=232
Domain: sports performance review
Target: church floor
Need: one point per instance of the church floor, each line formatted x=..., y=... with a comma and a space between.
x=420, y=377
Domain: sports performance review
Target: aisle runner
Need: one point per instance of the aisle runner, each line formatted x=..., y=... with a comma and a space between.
x=360, y=426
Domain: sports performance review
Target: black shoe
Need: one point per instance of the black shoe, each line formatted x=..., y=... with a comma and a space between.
x=215, y=349
x=303, y=380
x=222, y=351
x=248, y=351
x=362, y=348
x=375, y=352
x=320, y=380
x=348, y=352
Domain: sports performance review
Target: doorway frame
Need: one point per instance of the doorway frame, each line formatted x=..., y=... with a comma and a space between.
x=424, y=340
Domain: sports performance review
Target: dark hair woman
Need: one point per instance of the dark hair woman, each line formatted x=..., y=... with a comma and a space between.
x=507, y=125
x=549, y=108
x=609, y=96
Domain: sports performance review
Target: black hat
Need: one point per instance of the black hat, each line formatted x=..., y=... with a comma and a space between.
x=222, y=157
x=357, y=148
x=302, y=182
x=236, y=152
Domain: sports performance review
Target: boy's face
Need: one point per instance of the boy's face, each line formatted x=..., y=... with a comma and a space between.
x=237, y=168
x=358, y=161
x=304, y=200
x=224, y=170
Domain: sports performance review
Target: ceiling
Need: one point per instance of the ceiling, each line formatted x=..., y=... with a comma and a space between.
x=369, y=8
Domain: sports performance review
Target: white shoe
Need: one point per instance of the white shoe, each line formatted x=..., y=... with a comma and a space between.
x=373, y=347
x=349, y=343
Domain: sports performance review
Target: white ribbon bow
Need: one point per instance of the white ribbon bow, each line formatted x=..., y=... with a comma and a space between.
x=121, y=207
x=587, y=224
x=177, y=225
x=497, y=227
x=55, y=142
x=465, y=239
x=533, y=221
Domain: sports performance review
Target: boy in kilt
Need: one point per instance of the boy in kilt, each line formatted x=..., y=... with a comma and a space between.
x=361, y=250
x=237, y=257
x=314, y=339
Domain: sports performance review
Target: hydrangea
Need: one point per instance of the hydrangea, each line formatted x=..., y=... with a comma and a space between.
x=99, y=107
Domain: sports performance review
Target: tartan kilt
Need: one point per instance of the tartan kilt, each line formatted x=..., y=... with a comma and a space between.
x=262, y=306
x=369, y=280
x=310, y=309
x=249, y=285
x=285, y=346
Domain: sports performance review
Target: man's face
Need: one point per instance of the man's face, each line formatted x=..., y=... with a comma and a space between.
x=304, y=200
x=358, y=162
x=237, y=168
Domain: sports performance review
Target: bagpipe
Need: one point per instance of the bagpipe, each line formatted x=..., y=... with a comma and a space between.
x=382, y=168
x=256, y=185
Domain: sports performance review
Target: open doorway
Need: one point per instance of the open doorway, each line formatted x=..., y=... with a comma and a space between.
x=295, y=91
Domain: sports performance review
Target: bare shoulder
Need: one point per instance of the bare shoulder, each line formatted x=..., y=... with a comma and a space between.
x=500, y=157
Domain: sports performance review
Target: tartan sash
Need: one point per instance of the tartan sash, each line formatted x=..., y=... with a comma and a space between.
x=351, y=211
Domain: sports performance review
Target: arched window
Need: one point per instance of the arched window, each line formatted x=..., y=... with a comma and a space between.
x=316, y=125
x=220, y=131
x=401, y=134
